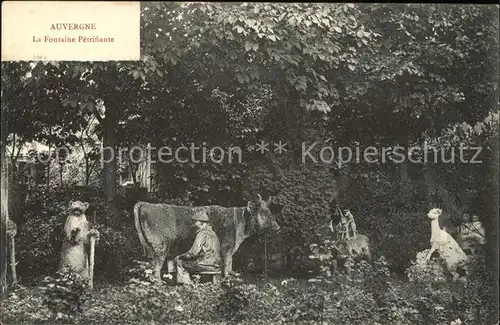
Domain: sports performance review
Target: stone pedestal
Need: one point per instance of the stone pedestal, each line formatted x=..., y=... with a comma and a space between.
x=433, y=270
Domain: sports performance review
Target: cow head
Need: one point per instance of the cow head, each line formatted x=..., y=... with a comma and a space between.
x=259, y=209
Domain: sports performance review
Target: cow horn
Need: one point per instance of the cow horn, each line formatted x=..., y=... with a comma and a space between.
x=259, y=197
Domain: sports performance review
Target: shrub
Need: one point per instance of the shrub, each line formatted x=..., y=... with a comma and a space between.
x=152, y=300
x=165, y=303
x=305, y=195
x=477, y=298
x=431, y=271
x=122, y=241
x=65, y=294
x=324, y=255
x=305, y=306
x=24, y=306
x=234, y=302
x=351, y=305
x=39, y=246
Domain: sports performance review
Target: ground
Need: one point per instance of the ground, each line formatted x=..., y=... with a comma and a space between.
x=370, y=296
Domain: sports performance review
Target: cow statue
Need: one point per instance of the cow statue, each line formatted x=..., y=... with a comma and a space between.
x=165, y=230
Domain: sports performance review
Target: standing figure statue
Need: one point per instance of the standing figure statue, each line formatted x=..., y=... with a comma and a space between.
x=76, y=243
x=204, y=254
x=346, y=226
x=351, y=224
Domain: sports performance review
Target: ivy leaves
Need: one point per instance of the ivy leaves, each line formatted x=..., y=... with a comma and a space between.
x=297, y=40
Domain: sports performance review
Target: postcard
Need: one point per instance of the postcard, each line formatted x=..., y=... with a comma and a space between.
x=249, y=163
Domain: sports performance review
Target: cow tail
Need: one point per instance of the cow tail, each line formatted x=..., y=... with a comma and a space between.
x=367, y=249
x=139, y=226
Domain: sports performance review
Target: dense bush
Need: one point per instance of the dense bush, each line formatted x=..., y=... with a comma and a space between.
x=40, y=239
x=65, y=294
x=117, y=247
x=305, y=195
x=371, y=295
x=39, y=247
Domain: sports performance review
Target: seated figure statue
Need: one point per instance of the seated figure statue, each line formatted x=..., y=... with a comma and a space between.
x=204, y=254
x=471, y=236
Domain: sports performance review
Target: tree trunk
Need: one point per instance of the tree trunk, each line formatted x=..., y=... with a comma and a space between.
x=3, y=236
x=430, y=181
x=403, y=166
x=87, y=171
x=5, y=216
x=87, y=167
x=13, y=169
x=48, y=175
x=61, y=176
x=344, y=183
x=109, y=145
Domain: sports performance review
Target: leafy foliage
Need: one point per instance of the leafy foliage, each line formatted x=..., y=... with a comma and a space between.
x=324, y=64
x=372, y=294
x=66, y=294
x=235, y=301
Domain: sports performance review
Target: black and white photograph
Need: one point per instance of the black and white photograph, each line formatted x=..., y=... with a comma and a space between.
x=260, y=164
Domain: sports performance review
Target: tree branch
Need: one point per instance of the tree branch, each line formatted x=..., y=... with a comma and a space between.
x=21, y=144
x=96, y=114
x=13, y=147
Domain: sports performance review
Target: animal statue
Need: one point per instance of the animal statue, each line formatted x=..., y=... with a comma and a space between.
x=76, y=242
x=165, y=230
x=354, y=249
x=444, y=244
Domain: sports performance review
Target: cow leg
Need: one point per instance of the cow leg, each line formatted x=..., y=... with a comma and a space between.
x=368, y=255
x=158, y=263
x=228, y=263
